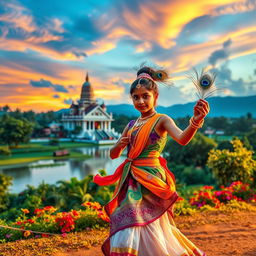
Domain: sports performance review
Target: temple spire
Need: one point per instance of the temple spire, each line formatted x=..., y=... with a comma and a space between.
x=87, y=95
x=87, y=77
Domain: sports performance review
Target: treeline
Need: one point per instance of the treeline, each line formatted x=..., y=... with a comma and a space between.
x=34, y=124
x=230, y=126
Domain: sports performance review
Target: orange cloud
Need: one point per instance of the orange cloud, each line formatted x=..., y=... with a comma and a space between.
x=161, y=23
x=233, y=8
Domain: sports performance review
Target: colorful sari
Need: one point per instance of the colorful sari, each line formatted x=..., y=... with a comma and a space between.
x=141, y=210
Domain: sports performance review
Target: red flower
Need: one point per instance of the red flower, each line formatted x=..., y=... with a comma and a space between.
x=66, y=222
x=208, y=187
x=75, y=213
x=39, y=212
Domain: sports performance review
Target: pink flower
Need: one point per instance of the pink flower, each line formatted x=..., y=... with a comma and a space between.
x=64, y=234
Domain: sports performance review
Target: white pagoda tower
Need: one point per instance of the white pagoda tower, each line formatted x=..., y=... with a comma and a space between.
x=90, y=118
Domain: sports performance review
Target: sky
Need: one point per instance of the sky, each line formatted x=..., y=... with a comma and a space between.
x=48, y=46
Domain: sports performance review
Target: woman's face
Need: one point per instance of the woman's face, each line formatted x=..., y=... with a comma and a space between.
x=143, y=99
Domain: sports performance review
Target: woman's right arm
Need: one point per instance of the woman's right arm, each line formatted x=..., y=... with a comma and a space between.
x=121, y=144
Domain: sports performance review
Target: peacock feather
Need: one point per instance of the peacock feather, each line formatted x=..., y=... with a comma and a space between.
x=204, y=82
x=160, y=75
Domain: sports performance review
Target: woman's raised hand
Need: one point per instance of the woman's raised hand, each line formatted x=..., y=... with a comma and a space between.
x=201, y=109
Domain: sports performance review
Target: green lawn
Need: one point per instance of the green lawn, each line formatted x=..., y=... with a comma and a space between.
x=27, y=153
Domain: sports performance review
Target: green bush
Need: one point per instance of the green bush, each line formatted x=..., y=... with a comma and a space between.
x=54, y=142
x=5, y=151
x=193, y=154
x=191, y=175
x=5, y=182
x=229, y=166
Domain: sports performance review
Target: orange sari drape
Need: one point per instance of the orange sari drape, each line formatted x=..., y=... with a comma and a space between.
x=163, y=189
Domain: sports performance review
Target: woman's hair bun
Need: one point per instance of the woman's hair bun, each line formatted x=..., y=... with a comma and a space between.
x=159, y=75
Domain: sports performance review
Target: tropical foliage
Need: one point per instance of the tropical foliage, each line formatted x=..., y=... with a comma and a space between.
x=195, y=153
x=15, y=131
x=229, y=166
x=49, y=220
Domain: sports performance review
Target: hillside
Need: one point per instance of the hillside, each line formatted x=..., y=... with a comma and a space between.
x=220, y=106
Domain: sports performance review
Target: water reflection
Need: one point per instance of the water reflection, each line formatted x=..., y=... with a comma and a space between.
x=66, y=169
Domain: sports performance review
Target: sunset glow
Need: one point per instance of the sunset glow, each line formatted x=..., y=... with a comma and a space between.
x=46, y=52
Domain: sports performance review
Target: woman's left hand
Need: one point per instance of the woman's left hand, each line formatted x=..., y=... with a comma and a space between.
x=201, y=109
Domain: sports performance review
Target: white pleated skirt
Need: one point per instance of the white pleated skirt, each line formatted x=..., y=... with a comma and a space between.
x=159, y=238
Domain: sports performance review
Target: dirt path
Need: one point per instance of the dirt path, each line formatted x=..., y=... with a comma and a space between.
x=216, y=235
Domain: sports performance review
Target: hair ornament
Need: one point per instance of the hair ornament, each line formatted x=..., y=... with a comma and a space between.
x=160, y=76
x=145, y=75
x=139, y=84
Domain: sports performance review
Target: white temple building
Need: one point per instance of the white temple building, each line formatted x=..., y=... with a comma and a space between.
x=89, y=118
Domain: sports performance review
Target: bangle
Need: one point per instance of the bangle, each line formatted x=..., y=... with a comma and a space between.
x=194, y=124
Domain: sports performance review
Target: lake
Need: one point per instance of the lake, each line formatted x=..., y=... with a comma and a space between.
x=65, y=169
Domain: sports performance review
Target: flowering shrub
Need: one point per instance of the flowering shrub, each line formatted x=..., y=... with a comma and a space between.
x=46, y=220
x=204, y=197
x=229, y=166
x=224, y=195
x=96, y=206
x=182, y=207
x=241, y=191
x=65, y=221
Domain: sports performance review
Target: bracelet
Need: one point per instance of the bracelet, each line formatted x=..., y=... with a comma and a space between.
x=194, y=124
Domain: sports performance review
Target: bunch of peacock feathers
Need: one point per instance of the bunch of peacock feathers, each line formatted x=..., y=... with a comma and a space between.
x=204, y=82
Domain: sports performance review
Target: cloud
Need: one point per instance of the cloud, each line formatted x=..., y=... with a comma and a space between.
x=123, y=84
x=221, y=54
x=238, y=87
x=80, y=54
x=234, y=8
x=47, y=84
x=56, y=96
x=68, y=101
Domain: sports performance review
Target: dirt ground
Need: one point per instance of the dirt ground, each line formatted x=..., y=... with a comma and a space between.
x=217, y=234
x=232, y=235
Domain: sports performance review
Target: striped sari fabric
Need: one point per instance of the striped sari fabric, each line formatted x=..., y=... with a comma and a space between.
x=141, y=210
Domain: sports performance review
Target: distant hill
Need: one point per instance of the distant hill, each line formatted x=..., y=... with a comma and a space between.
x=220, y=106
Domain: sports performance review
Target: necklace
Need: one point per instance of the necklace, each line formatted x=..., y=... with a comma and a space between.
x=141, y=121
x=144, y=118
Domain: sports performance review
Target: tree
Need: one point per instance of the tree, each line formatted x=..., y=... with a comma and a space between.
x=229, y=166
x=6, y=108
x=5, y=182
x=252, y=138
x=219, y=122
x=15, y=131
x=195, y=153
x=241, y=125
x=77, y=130
x=16, y=114
x=120, y=122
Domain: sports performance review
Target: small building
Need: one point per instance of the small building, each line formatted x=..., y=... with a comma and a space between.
x=89, y=120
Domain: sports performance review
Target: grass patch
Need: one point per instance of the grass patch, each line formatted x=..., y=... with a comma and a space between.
x=28, y=153
x=41, y=147
x=23, y=158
